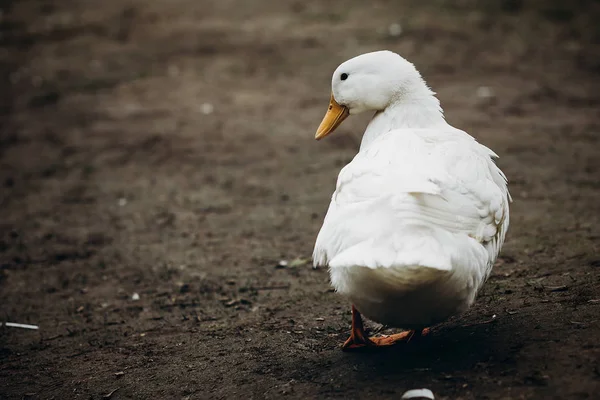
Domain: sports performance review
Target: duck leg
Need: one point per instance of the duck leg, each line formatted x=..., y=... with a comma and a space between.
x=358, y=339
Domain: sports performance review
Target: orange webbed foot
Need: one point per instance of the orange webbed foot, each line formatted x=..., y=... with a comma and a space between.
x=358, y=339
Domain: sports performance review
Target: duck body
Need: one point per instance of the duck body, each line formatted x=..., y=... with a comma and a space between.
x=415, y=225
x=417, y=218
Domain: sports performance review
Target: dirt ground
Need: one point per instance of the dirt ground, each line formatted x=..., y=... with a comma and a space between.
x=164, y=149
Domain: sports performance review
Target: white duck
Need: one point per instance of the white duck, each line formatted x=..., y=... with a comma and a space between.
x=419, y=215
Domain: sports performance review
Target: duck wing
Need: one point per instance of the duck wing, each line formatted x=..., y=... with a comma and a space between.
x=416, y=197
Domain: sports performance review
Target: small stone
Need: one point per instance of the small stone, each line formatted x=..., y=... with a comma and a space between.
x=135, y=297
x=122, y=202
x=207, y=108
x=282, y=264
x=485, y=92
x=395, y=30
x=418, y=394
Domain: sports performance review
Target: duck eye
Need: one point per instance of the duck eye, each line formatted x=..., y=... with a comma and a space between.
x=344, y=76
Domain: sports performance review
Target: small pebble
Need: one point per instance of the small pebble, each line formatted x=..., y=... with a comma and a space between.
x=485, y=92
x=135, y=297
x=395, y=30
x=207, y=108
x=122, y=202
x=282, y=264
x=418, y=394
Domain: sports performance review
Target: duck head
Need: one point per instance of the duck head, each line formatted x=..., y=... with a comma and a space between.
x=370, y=82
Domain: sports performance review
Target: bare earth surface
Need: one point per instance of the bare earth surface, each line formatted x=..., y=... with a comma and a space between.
x=165, y=149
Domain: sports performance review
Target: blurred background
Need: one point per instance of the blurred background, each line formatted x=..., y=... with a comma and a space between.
x=161, y=190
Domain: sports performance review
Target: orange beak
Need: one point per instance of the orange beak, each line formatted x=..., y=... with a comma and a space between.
x=335, y=115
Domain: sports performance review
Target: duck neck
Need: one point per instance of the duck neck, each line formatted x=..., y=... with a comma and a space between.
x=417, y=112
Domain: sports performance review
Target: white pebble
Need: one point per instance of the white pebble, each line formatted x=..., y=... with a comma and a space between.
x=485, y=92
x=207, y=108
x=418, y=394
x=135, y=297
x=395, y=29
x=122, y=202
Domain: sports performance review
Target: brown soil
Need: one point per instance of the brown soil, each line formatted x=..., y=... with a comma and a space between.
x=115, y=180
